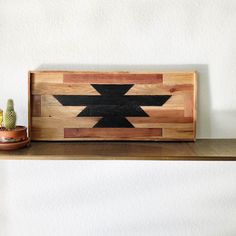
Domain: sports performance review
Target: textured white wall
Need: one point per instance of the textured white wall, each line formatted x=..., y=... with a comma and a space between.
x=121, y=198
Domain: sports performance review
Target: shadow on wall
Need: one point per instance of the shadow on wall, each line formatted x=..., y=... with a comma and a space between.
x=3, y=210
x=204, y=95
x=223, y=120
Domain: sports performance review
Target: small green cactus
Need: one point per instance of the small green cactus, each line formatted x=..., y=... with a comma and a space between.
x=10, y=115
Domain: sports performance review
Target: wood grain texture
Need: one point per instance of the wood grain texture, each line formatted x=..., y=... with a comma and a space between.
x=164, y=111
x=113, y=134
x=75, y=105
x=65, y=122
x=46, y=77
x=61, y=111
x=184, y=133
x=202, y=149
x=160, y=122
x=47, y=134
x=178, y=78
x=36, y=106
x=159, y=89
x=112, y=78
x=58, y=89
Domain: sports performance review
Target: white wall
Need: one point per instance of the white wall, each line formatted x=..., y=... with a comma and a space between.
x=121, y=198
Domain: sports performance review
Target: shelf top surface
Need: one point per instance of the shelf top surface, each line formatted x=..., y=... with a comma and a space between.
x=202, y=149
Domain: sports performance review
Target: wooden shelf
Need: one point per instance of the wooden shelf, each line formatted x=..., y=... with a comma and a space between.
x=204, y=149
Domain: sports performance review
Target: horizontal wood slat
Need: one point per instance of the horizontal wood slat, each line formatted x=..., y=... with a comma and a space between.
x=70, y=89
x=164, y=111
x=160, y=122
x=114, y=134
x=54, y=122
x=120, y=78
x=61, y=111
x=159, y=89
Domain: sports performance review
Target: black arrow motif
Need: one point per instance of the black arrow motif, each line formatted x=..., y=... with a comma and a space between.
x=113, y=110
x=112, y=89
x=131, y=100
x=113, y=122
x=113, y=105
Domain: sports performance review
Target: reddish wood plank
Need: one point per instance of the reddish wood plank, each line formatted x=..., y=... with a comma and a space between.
x=188, y=104
x=113, y=133
x=110, y=78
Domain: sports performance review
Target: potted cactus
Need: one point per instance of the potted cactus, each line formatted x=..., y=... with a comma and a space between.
x=10, y=116
x=12, y=136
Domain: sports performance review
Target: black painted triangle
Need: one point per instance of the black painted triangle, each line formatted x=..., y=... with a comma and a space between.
x=113, y=122
x=112, y=89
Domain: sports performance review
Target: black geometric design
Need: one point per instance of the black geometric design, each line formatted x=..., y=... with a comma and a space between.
x=87, y=100
x=113, y=105
x=113, y=111
x=113, y=122
x=112, y=89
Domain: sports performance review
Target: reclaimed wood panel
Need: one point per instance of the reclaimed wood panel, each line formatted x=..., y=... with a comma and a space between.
x=75, y=105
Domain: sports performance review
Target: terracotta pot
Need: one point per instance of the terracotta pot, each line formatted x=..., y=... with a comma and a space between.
x=14, y=146
x=16, y=135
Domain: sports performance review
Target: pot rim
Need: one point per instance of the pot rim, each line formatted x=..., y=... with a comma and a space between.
x=20, y=129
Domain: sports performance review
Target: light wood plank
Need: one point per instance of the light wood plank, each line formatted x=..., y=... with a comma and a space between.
x=153, y=122
x=46, y=77
x=65, y=89
x=53, y=122
x=49, y=100
x=61, y=111
x=176, y=132
x=163, y=111
x=158, y=89
x=175, y=101
x=178, y=78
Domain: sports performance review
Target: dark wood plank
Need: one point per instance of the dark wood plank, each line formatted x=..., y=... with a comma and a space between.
x=36, y=105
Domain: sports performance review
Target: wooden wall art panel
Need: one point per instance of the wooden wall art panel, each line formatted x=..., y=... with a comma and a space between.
x=74, y=105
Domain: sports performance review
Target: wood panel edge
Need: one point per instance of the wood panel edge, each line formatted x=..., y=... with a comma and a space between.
x=195, y=78
x=29, y=104
x=115, y=72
